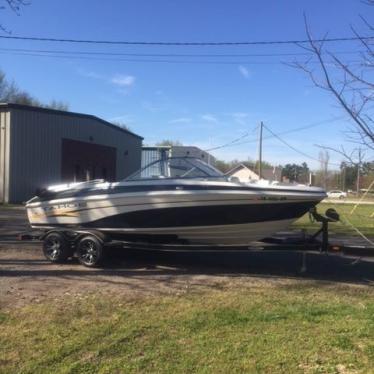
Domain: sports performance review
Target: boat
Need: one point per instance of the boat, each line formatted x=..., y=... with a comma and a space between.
x=180, y=199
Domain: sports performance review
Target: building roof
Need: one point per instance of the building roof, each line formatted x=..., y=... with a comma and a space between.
x=189, y=147
x=155, y=147
x=239, y=166
x=66, y=113
x=268, y=173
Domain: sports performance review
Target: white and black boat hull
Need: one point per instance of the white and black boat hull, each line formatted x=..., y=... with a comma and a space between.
x=241, y=234
x=217, y=214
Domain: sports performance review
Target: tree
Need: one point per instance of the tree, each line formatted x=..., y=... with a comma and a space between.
x=170, y=143
x=11, y=93
x=222, y=166
x=13, y=5
x=367, y=181
x=296, y=173
x=226, y=166
x=255, y=167
x=56, y=104
x=122, y=125
x=324, y=158
x=368, y=167
x=350, y=174
x=350, y=84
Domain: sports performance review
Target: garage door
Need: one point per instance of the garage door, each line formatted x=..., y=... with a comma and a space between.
x=82, y=161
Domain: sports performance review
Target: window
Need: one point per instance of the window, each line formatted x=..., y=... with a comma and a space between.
x=177, y=167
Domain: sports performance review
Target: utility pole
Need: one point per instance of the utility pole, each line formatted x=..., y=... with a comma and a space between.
x=210, y=146
x=260, y=152
x=358, y=171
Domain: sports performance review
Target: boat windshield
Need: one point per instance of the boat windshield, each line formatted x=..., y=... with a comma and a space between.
x=176, y=167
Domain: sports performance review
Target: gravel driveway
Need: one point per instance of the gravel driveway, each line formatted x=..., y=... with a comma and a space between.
x=25, y=276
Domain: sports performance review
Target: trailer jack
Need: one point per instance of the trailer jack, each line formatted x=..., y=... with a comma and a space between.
x=331, y=215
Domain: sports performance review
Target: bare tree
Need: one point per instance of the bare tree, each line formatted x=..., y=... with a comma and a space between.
x=122, y=125
x=349, y=83
x=324, y=158
x=13, y=5
x=11, y=93
x=169, y=143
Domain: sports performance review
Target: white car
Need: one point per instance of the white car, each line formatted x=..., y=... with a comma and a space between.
x=336, y=194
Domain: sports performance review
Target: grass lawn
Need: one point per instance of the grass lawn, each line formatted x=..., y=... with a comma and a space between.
x=362, y=218
x=304, y=327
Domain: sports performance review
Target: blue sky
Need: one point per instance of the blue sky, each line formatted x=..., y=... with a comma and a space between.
x=201, y=103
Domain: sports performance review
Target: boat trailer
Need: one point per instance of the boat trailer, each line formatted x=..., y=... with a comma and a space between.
x=89, y=245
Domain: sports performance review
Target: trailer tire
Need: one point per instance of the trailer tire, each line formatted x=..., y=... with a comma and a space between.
x=56, y=247
x=90, y=251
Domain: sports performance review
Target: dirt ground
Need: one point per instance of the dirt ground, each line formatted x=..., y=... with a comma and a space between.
x=25, y=275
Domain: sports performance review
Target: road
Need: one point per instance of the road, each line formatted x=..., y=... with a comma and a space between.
x=348, y=201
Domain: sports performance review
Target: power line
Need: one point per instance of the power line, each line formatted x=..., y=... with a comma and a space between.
x=169, y=43
x=227, y=144
x=295, y=149
x=274, y=135
x=289, y=145
x=102, y=53
x=297, y=129
x=158, y=60
x=301, y=128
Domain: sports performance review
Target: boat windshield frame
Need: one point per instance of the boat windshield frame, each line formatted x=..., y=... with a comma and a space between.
x=194, y=162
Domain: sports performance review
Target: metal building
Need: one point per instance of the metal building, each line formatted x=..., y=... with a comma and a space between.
x=151, y=154
x=154, y=153
x=39, y=147
x=192, y=151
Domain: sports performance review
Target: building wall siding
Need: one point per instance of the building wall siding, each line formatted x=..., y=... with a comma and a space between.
x=36, y=148
x=192, y=151
x=4, y=155
x=151, y=154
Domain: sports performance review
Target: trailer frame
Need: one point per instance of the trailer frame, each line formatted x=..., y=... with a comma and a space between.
x=74, y=239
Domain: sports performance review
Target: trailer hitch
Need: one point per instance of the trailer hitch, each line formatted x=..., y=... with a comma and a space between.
x=331, y=215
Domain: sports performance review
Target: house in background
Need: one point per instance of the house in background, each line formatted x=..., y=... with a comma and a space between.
x=245, y=174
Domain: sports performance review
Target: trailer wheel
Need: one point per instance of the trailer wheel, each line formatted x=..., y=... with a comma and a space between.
x=56, y=247
x=90, y=251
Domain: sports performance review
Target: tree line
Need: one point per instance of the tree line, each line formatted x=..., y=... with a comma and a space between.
x=10, y=92
x=345, y=178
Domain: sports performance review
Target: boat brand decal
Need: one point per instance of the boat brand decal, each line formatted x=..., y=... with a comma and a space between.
x=60, y=210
